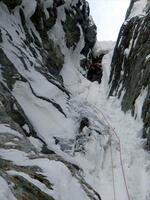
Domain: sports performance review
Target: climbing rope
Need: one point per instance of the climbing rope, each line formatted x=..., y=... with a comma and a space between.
x=113, y=174
x=122, y=166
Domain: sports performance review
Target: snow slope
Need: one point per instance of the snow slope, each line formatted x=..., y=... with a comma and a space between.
x=90, y=100
x=97, y=162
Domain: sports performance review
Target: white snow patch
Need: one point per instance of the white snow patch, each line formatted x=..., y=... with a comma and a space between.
x=106, y=65
x=140, y=102
x=46, y=119
x=147, y=58
x=26, y=128
x=29, y=8
x=103, y=47
x=5, y=129
x=5, y=192
x=120, y=41
x=10, y=144
x=36, y=143
x=127, y=50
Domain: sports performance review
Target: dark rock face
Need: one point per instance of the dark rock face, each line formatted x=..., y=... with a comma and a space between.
x=59, y=3
x=72, y=31
x=28, y=190
x=12, y=3
x=52, y=56
x=1, y=36
x=9, y=73
x=130, y=70
x=80, y=16
x=90, y=39
x=39, y=16
x=89, y=29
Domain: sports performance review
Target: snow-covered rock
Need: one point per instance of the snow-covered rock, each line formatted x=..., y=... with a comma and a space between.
x=41, y=46
x=130, y=72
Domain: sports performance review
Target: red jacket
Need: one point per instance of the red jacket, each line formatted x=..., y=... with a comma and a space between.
x=96, y=66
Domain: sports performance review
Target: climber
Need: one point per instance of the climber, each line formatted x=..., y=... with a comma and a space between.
x=95, y=72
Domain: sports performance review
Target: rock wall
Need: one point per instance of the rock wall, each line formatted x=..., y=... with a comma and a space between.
x=130, y=72
x=40, y=43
